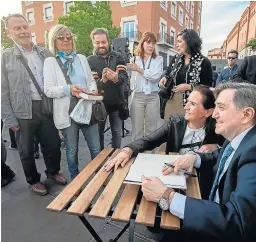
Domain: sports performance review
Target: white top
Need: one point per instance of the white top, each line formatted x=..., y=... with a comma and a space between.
x=148, y=82
x=192, y=138
x=54, y=87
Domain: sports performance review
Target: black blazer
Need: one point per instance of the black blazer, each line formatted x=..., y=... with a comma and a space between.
x=234, y=219
x=247, y=70
x=172, y=132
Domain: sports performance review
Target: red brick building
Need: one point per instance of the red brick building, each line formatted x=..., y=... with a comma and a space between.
x=164, y=18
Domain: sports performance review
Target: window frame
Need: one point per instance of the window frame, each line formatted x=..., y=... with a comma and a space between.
x=175, y=4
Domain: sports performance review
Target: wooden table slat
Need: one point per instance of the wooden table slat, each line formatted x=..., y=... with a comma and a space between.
x=125, y=206
x=106, y=199
x=169, y=221
x=63, y=199
x=193, y=189
x=83, y=201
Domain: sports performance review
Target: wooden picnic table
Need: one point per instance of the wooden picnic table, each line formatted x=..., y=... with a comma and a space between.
x=125, y=209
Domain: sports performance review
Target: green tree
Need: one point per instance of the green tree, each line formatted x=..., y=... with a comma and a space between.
x=252, y=43
x=83, y=17
x=6, y=42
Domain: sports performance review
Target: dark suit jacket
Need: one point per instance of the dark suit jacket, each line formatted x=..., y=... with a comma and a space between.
x=247, y=69
x=234, y=219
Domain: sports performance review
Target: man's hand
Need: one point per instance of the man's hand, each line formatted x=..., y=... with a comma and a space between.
x=208, y=148
x=152, y=188
x=15, y=128
x=121, y=159
x=182, y=88
x=112, y=75
x=162, y=82
x=185, y=162
x=75, y=90
x=104, y=75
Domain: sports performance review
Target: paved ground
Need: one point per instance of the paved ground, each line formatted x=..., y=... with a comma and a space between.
x=25, y=219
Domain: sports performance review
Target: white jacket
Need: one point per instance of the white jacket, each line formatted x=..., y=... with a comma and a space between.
x=54, y=83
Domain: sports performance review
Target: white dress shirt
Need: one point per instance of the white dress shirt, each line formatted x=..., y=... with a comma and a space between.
x=177, y=206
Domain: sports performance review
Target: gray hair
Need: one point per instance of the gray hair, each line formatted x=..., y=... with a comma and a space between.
x=14, y=15
x=244, y=96
x=54, y=32
x=100, y=31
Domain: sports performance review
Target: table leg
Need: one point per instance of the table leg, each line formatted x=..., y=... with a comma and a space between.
x=131, y=230
x=90, y=228
x=120, y=234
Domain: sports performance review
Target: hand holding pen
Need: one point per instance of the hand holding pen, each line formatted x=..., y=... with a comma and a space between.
x=181, y=170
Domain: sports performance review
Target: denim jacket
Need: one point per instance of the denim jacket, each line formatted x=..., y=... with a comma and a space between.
x=15, y=88
x=225, y=75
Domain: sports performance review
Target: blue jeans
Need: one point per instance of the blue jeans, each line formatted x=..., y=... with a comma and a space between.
x=71, y=136
x=116, y=130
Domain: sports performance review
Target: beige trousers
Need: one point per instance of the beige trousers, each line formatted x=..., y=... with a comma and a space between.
x=145, y=113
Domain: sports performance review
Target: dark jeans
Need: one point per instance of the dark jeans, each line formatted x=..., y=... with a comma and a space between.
x=12, y=138
x=47, y=134
x=116, y=130
x=6, y=171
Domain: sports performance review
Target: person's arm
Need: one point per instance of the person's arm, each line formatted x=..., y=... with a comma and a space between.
x=206, y=73
x=154, y=73
x=241, y=71
x=51, y=87
x=151, y=141
x=8, y=115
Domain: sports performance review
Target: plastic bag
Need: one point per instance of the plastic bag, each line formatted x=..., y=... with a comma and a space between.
x=82, y=112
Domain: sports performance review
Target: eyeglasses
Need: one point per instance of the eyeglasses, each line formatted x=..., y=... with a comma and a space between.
x=231, y=58
x=62, y=38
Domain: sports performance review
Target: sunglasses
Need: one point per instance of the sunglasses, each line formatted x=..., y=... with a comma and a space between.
x=62, y=38
x=231, y=58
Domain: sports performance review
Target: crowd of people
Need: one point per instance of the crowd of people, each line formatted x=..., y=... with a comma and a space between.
x=213, y=130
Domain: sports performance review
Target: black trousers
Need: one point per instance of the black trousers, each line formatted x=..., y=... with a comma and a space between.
x=6, y=171
x=43, y=127
x=12, y=138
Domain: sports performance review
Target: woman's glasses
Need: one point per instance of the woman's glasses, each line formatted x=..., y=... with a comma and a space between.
x=62, y=38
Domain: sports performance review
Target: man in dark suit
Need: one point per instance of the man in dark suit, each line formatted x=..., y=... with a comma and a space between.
x=230, y=212
x=247, y=70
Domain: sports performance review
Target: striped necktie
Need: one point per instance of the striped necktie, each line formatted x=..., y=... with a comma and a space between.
x=227, y=152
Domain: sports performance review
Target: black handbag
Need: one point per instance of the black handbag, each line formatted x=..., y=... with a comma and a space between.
x=166, y=93
x=99, y=112
x=47, y=103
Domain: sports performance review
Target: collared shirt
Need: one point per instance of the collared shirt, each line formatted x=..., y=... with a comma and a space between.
x=177, y=206
x=78, y=77
x=148, y=82
x=36, y=66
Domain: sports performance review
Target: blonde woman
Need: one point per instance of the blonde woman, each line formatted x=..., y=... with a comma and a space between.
x=75, y=66
x=146, y=73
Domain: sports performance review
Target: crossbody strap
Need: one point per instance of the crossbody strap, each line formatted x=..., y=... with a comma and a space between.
x=63, y=70
x=24, y=62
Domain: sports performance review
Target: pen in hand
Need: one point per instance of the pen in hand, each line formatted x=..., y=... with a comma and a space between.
x=184, y=171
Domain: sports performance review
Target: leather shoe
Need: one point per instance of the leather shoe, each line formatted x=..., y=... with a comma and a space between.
x=38, y=189
x=59, y=179
x=6, y=181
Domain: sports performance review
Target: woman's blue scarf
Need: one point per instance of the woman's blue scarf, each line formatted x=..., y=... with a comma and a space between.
x=68, y=64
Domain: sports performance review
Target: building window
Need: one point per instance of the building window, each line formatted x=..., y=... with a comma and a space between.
x=187, y=5
x=172, y=36
x=173, y=9
x=191, y=25
x=162, y=31
x=129, y=29
x=181, y=16
x=186, y=22
x=192, y=10
x=48, y=12
x=46, y=33
x=128, y=3
x=33, y=37
x=164, y=5
x=198, y=30
x=67, y=6
x=30, y=16
x=199, y=16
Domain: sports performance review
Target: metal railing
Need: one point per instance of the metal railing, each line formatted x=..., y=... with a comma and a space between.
x=166, y=38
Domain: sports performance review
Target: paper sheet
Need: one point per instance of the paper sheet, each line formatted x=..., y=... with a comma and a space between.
x=151, y=165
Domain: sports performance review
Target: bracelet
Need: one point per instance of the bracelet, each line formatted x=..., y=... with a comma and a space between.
x=127, y=152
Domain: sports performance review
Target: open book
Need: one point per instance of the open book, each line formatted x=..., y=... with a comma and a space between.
x=90, y=96
x=152, y=165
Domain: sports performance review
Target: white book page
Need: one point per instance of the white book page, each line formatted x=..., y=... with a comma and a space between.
x=152, y=165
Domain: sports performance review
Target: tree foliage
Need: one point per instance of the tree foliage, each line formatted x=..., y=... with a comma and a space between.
x=6, y=42
x=83, y=17
x=252, y=43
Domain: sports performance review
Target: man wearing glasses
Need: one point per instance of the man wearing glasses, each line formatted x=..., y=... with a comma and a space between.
x=229, y=72
x=21, y=103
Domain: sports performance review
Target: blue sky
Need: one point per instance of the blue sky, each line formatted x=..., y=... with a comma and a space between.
x=218, y=18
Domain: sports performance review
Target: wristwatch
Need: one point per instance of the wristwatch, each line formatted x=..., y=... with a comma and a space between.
x=164, y=200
